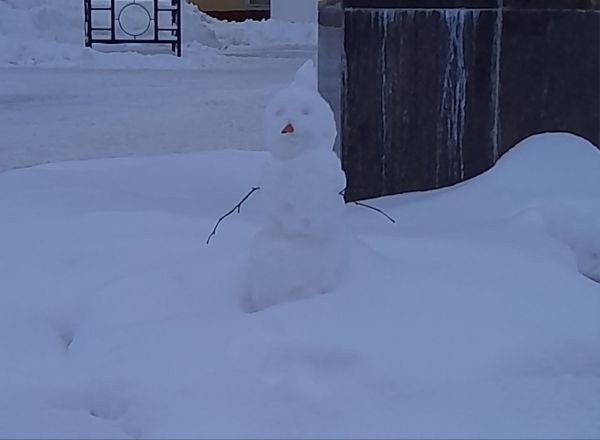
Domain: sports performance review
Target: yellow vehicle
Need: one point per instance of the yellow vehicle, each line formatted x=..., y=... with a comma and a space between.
x=237, y=10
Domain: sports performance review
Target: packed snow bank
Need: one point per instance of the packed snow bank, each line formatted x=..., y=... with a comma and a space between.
x=265, y=33
x=548, y=182
x=37, y=32
x=254, y=33
x=466, y=319
x=568, y=208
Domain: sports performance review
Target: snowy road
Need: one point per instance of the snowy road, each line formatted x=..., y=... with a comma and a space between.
x=50, y=115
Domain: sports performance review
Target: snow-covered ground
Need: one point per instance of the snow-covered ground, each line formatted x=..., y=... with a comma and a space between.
x=475, y=315
x=468, y=318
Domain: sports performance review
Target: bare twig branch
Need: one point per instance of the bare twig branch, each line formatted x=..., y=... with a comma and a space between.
x=364, y=205
x=237, y=208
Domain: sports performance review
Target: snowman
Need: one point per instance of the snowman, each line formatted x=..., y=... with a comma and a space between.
x=299, y=251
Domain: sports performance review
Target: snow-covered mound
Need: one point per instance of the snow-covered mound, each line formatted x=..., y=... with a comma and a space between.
x=552, y=186
x=38, y=32
x=567, y=207
x=468, y=318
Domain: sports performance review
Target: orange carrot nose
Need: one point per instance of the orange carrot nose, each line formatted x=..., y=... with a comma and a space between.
x=288, y=129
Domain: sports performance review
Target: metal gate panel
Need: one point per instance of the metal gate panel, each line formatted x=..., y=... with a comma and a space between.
x=133, y=22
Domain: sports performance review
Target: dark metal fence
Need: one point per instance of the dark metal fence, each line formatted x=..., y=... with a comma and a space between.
x=133, y=22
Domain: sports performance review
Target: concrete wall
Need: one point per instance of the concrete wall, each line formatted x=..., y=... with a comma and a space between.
x=297, y=11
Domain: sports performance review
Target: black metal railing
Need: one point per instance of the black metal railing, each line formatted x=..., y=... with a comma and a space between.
x=133, y=22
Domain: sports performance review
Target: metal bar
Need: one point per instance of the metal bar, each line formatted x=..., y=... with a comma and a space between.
x=178, y=28
x=112, y=19
x=173, y=15
x=88, y=22
x=149, y=41
x=156, y=20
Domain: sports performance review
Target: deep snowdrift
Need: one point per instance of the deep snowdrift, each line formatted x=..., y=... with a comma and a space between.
x=38, y=32
x=468, y=318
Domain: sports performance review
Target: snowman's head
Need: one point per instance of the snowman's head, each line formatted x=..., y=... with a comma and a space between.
x=298, y=120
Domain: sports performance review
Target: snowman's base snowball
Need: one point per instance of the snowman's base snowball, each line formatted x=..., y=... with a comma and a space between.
x=283, y=269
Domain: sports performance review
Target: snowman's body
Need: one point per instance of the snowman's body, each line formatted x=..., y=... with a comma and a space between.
x=301, y=196
x=300, y=250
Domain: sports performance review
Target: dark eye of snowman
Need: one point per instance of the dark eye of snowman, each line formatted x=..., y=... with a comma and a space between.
x=279, y=112
x=305, y=111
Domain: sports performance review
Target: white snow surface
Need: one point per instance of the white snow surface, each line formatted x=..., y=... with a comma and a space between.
x=468, y=318
x=51, y=34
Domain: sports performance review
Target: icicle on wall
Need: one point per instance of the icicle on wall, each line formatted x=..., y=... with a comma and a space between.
x=449, y=163
x=419, y=97
x=384, y=17
x=454, y=97
x=495, y=80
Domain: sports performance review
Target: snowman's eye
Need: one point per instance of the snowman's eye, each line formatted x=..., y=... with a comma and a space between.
x=279, y=111
x=305, y=111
